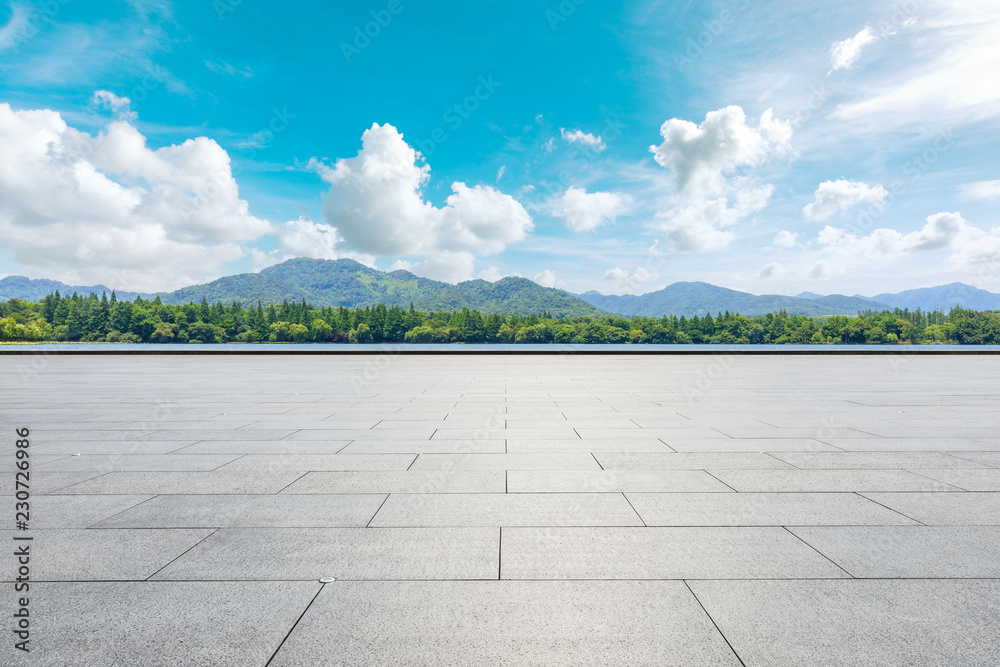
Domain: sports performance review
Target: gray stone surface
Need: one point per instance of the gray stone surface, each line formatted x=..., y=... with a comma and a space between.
x=101, y=555
x=345, y=553
x=506, y=622
x=231, y=483
x=249, y=511
x=857, y=623
x=159, y=624
x=659, y=553
x=762, y=509
x=909, y=552
x=506, y=509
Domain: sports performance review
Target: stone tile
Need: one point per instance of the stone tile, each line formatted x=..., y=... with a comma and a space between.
x=111, y=447
x=106, y=555
x=892, y=444
x=761, y=509
x=302, y=511
x=70, y=511
x=48, y=482
x=944, y=509
x=484, y=433
x=543, y=509
x=517, y=445
x=409, y=481
x=315, y=462
x=659, y=553
x=872, y=460
x=689, y=461
x=969, y=480
x=799, y=481
x=179, y=483
x=159, y=624
x=165, y=433
x=542, y=623
x=991, y=459
x=748, y=445
x=857, y=623
x=136, y=463
x=605, y=481
x=519, y=461
x=345, y=553
x=402, y=446
x=909, y=552
x=264, y=447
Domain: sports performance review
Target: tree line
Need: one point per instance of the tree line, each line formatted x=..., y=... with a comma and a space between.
x=78, y=318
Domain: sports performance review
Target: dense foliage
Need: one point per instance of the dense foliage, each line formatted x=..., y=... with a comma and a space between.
x=104, y=319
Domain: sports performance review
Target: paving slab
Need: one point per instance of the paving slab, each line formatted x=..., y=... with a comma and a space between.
x=688, y=461
x=944, y=509
x=873, y=460
x=857, y=623
x=334, y=510
x=77, y=511
x=518, y=461
x=916, y=444
x=345, y=553
x=762, y=509
x=179, y=483
x=516, y=445
x=408, y=481
x=506, y=622
x=159, y=624
x=313, y=462
x=130, y=462
x=263, y=447
x=101, y=555
x=798, y=481
x=915, y=552
x=748, y=445
x=506, y=509
x=403, y=446
x=969, y=480
x=659, y=553
x=610, y=481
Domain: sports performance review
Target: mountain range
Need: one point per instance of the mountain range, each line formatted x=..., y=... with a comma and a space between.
x=345, y=282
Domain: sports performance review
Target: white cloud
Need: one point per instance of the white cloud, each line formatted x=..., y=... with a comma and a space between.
x=443, y=265
x=583, y=138
x=838, y=196
x=701, y=156
x=940, y=78
x=500, y=172
x=942, y=231
x=376, y=203
x=583, y=212
x=227, y=69
x=707, y=224
x=712, y=197
x=786, y=239
x=107, y=208
x=981, y=190
x=631, y=282
x=546, y=278
x=844, y=54
x=490, y=274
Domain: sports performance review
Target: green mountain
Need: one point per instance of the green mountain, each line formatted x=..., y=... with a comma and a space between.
x=344, y=282
x=19, y=287
x=698, y=298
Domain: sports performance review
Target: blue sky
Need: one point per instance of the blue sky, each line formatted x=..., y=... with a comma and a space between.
x=618, y=146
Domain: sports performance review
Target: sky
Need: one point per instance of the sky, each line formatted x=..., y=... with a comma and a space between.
x=618, y=146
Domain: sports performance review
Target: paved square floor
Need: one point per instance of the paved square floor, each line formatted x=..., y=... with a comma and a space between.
x=623, y=509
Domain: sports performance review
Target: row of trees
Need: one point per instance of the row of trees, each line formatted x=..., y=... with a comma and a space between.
x=106, y=319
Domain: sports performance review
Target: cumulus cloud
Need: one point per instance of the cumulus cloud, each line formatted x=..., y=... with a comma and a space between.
x=786, y=239
x=376, y=203
x=108, y=208
x=546, y=278
x=701, y=156
x=981, y=190
x=844, y=54
x=583, y=212
x=706, y=160
x=707, y=224
x=838, y=196
x=942, y=231
x=632, y=282
x=444, y=265
x=583, y=138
